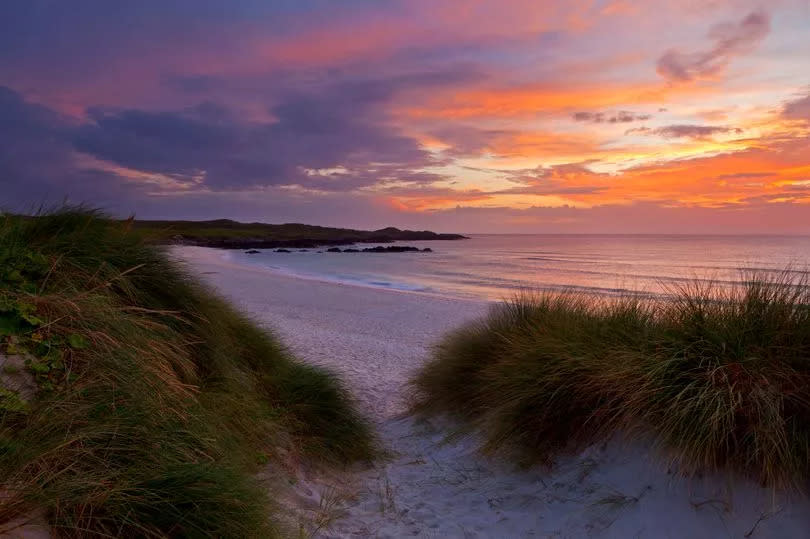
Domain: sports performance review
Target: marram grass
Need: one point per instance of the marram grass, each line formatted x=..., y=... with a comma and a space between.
x=156, y=403
x=717, y=376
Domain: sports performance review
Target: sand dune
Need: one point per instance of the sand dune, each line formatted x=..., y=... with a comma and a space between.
x=430, y=487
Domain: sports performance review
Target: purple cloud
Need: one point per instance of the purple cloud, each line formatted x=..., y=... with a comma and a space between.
x=686, y=131
x=334, y=139
x=342, y=127
x=620, y=117
x=38, y=163
x=730, y=39
x=798, y=109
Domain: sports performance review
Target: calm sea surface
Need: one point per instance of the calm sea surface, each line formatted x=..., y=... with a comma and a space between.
x=498, y=266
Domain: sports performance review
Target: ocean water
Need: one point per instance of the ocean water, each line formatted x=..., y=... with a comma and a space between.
x=498, y=266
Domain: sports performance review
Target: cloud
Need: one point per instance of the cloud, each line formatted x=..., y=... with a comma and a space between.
x=652, y=217
x=686, y=131
x=730, y=40
x=295, y=110
x=564, y=179
x=798, y=109
x=338, y=127
x=621, y=116
x=38, y=163
x=336, y=138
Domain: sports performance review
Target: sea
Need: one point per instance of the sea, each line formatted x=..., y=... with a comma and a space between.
x=499, y=266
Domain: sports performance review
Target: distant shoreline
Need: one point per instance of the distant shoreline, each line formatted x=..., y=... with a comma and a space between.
x=227, y=234
x=200, y=255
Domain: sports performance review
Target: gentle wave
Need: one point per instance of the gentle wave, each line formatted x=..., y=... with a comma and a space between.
x=495, y=267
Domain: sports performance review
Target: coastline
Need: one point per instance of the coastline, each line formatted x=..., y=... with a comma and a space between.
x=227, y=257
x=434, y=481
x=384, y=330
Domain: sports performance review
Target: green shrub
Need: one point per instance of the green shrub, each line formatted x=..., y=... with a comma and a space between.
x=717, y=376
x=156, y=402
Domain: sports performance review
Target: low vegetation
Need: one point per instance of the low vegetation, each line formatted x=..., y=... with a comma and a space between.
x=153, y=403
x=717, y=377
x=228, y=233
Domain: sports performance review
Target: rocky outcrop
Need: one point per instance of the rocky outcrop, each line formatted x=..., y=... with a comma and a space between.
x=375, y=249
x=268, y=243
x=391, y=249
x=290, y=236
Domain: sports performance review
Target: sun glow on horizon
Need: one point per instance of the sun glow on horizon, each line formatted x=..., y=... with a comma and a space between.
x=416, y=111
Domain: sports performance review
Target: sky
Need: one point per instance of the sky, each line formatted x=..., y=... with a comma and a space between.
x=527, y=116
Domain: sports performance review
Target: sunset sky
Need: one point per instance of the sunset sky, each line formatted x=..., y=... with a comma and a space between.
x=528, y=116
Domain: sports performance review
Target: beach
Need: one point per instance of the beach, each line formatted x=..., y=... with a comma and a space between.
x=429, y=486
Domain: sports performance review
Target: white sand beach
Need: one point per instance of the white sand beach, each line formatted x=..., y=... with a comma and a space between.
x=374, y=340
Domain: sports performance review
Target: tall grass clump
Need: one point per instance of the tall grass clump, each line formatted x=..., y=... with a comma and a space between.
x=153, y=403
x=717, y=376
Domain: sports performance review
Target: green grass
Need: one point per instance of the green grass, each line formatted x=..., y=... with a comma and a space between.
x=718, y=377
x=156, y=402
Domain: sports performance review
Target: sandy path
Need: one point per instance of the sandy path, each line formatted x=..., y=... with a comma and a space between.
x=374, y=339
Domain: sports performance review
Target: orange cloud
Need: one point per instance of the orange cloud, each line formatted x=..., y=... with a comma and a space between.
x=777, y=171
x=532, y=100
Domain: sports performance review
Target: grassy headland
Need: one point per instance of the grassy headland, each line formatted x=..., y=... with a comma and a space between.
x=716, y=377
x=224, y=233
x=153, y=403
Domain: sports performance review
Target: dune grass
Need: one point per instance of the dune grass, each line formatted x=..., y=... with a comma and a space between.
x=717, y=377
x=156, y=403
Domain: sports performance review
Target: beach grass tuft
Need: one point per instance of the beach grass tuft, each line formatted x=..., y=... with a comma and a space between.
x=717, y=376
x=153, y=404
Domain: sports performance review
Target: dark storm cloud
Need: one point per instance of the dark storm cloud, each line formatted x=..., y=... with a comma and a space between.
x=620, y=117
x=730, y=39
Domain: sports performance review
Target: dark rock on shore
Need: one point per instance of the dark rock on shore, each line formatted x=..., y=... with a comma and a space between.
x=304, y=243
x=377, y=249
x=414, y=235
x=391, y=249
